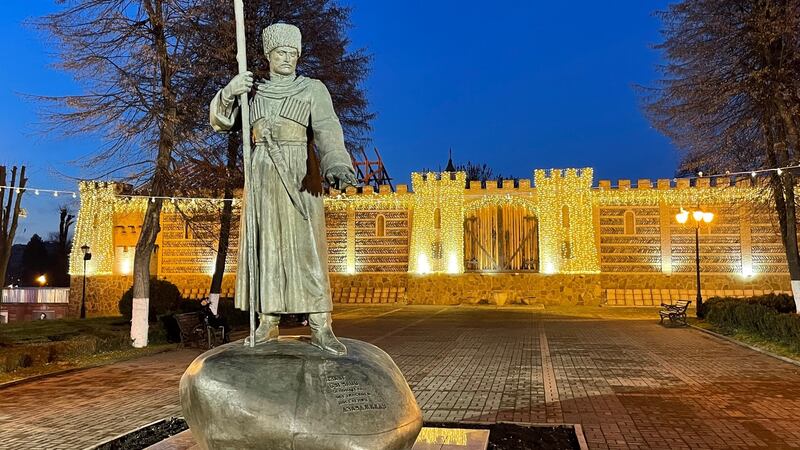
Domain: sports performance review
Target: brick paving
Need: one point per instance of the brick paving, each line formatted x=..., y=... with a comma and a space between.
x=630, y=384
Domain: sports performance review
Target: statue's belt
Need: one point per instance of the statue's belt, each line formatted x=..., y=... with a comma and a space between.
x=285, y=132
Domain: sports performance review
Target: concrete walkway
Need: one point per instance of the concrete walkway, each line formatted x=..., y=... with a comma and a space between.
x=631, y=384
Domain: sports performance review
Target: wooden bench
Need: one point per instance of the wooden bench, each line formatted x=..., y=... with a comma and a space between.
x=194, y=331
x=675, y=313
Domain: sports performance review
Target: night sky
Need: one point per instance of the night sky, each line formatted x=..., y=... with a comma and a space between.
x=518, y=85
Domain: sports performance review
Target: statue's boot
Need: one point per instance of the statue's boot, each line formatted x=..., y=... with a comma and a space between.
x=267, y=330
x=322, y=334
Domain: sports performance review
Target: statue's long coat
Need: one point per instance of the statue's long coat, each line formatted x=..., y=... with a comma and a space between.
x=291, y=251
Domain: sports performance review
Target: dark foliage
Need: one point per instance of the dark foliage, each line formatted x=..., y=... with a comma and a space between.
x=36, y=260
x=62, y=248
x=147, y=436
x=753, y=317
x=165, y=298
x=783, y=303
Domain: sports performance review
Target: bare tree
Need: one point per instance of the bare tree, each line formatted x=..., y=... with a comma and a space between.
x=131, y=58
x=65, y=222
x=10, y=207
x=730, y=95
x=476, y=172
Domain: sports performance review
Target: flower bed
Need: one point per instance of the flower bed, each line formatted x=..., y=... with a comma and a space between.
x=502, y=436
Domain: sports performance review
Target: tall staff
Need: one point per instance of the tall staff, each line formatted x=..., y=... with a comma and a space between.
x=249, y=224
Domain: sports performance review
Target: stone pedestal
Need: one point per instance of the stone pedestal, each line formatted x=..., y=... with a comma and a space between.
x=287, y=394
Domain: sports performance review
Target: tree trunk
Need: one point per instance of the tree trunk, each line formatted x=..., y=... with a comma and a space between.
x=151, y=225
x=9, y=215
x=789, y=181
x=225, y=223
x=783, y=193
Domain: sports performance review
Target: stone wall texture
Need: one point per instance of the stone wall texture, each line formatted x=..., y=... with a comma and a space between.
x=103, y=292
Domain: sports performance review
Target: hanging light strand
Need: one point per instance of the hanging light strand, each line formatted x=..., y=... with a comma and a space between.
x=171, y=198
x=38, y=191
x=751, y=173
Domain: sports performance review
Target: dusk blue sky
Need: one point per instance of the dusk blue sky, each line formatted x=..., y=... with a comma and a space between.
x=518, y=85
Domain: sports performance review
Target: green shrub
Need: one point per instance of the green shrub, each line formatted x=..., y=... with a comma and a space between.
x=738, y=315
x=165, y=298
x=783, y=303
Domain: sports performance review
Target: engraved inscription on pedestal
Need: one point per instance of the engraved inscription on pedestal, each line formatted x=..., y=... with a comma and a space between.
x=353, y=396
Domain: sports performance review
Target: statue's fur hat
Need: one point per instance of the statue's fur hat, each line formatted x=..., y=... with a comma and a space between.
x=282, y=35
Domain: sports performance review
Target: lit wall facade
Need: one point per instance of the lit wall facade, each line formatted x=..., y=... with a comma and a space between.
x=562, y=222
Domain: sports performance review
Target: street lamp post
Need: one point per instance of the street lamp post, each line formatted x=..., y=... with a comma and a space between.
x=86, y=257
x=699, y=216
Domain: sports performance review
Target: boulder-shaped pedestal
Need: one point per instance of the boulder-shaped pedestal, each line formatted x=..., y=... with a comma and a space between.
x=288, y=394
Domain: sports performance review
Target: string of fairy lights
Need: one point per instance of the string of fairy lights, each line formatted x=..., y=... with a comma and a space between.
x=344, y=197
x=39, y=191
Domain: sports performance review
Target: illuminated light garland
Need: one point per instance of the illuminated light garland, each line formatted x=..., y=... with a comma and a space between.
x=95, y=223
x=525, y=202
x=390, y=200
x=94, y=227
x=444, y=191
x=678, y=196
x=572, y=190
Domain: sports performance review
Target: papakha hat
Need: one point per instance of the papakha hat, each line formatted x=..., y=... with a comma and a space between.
x=282, y=35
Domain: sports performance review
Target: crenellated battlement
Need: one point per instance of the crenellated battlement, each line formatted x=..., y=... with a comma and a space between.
x=572, y=173
x=680, y=183
x=383, y=189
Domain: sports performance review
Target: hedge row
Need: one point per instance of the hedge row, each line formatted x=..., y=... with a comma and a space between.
x=754, y=317
x=31, y=355
x=783, y=303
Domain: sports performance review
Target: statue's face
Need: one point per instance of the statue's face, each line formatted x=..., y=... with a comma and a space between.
x=283, y=60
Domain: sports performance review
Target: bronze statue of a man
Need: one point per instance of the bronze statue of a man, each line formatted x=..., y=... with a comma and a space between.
x=290, y=242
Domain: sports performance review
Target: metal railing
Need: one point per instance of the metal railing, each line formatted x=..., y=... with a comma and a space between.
x=35, y=295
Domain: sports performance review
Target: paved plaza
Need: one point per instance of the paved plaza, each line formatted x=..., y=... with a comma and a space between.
x=629, y=383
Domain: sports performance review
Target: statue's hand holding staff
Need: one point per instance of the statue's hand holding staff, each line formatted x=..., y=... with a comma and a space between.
x=240, y=84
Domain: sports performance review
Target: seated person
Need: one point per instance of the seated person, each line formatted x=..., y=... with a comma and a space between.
x=214, y=320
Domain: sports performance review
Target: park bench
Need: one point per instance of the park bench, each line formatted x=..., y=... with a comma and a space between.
x=675, y=313
x=194, y=331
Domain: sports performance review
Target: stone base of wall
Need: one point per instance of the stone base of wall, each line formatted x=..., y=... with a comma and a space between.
x=654, y=289
x=103, y=292
x=533, y=288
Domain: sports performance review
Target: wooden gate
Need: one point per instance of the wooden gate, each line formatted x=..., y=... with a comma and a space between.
x=503, y=238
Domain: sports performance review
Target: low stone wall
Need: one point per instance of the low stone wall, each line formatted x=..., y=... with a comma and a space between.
x=534, y=288
x=103, y=292
x=653, y=289
x=469, y=288
x=502, y=289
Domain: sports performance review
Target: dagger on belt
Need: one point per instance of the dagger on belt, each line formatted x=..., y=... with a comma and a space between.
x=275, y=153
